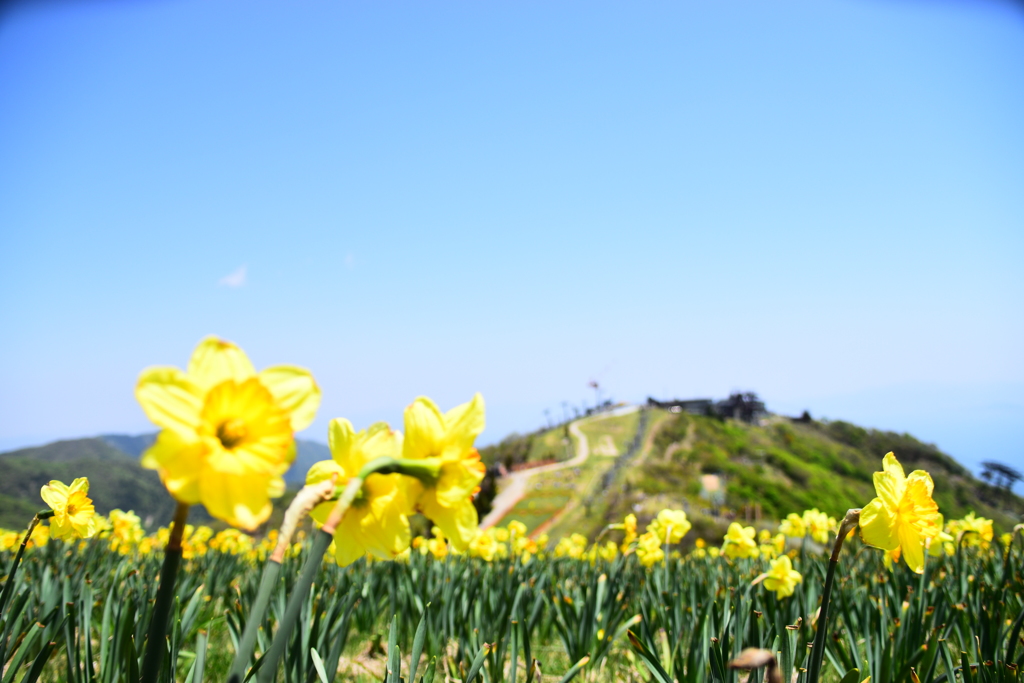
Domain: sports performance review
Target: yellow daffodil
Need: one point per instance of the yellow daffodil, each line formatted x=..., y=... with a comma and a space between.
x=9, y=539
x=818, y=524
x=447, y=438
x=903, y=515
x=649, y=550
x=608, y=551
x=669, y=526
x=377, y=522
x=227, y=431
x=437, y=545
x=629, y=525
x=484, y=546
x=942, y=543
x=979, y=529
x=793, y=526
x=125, y=531
x=73, y=513
x=782, y=578
x=739, y=541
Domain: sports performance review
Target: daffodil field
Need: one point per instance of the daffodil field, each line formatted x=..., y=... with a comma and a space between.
x=344, y=591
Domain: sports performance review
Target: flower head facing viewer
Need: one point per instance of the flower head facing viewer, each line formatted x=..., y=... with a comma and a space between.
x=902, y=515
x=377, y=522
x=781, y=578
x=73, y=513
x=447, y=440
x=227, y=430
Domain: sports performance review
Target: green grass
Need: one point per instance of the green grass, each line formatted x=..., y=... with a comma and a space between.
x=620, y=429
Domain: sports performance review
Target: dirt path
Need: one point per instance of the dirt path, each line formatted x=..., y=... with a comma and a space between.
x=516, y=484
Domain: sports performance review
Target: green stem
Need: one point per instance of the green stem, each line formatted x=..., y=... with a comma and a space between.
x=304, y=501
x=271, y=572
x=8, y=590
x=818, y=651
x=155, y=640
x=268, y=670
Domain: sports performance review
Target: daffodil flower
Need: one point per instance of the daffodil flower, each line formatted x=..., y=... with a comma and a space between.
x=446, y=439
x=781, y=578
x=739, y=541
x=902, y=515
x=817, y=525
x=981, y=526
x=73, y=513
x=227, y=431
x=669, y=526
x=649, y=549
x=377, y=522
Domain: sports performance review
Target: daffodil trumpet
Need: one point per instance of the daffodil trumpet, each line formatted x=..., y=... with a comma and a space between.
x=155, y=645
x=850, y=522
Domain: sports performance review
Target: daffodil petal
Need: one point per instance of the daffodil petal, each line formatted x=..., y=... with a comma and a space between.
x=179, y=463
x=912, y=546
x=240, y=500
x=324, y=470
x=424, y=429
x=295, y=392
x=892, y=466
x=458, y=480
x=216, y=360
x=54, y=494
x=347, y=541
x=170, y=399
x=464, y=423
x=877, y=527
x=458, y=523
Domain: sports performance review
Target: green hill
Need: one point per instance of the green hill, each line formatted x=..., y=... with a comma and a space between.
x=724, y=469
x=116, y=480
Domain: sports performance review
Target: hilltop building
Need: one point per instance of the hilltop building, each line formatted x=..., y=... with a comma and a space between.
x=739, y=406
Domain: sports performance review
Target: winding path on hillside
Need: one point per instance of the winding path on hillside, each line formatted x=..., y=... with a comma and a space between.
x=516, y=484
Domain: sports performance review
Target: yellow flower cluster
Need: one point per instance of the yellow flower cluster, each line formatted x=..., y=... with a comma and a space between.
x=813, y=523
x=377, y=523
x=667, y=528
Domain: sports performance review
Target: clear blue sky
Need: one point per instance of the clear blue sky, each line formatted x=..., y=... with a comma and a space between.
x=821, y=201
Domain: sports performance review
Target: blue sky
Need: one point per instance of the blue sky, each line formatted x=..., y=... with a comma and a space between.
x=821, y=201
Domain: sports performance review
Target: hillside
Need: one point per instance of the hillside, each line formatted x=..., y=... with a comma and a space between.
x=718, y=470
x=116, y=480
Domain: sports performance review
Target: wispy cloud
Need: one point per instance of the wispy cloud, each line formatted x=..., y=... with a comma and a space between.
x=234, y=280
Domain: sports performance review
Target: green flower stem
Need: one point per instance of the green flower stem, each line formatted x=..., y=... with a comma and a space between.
x=303, y=502
x=271, y=573
x=851, y=521
x=155, y=644
x=322, y=540
x=426, y=470
x=8, y=590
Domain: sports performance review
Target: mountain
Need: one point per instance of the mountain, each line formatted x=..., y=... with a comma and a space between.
x=716, y=469
x=116, y=480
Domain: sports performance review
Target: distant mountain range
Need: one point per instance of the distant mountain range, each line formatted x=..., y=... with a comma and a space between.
x=116, y=480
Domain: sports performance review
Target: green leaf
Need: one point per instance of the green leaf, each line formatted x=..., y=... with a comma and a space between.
x=318, y=664
x=649, y=660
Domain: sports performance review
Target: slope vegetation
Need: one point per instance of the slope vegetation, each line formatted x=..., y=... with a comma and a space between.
x=720, y=470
